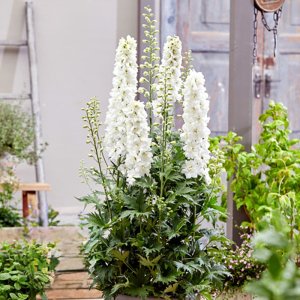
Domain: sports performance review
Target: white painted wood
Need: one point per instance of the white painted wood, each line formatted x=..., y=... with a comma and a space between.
x=15, y=97
x=40, y=175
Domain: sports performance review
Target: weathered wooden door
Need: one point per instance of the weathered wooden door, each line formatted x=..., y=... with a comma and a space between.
x=203, y=26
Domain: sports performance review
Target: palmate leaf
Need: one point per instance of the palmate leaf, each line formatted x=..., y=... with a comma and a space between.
x=149, y=263
x=183, y=189
x=95, y=218
x=119, y=286
x=171, y=288
x=122, y=256
x=154, y=248
x=176, y=230
x=140, y=291
x=166, y=279
x=136, y=201
x=132, y=214
x=184, y=267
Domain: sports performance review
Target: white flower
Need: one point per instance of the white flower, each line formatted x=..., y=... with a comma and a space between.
x=139, y=156
x=195, y=132
x=169, y=81
x=122, y=94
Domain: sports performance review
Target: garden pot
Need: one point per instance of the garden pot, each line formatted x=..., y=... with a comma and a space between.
x=235, y=296
x=124, y=297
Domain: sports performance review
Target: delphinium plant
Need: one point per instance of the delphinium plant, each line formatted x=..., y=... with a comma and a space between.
x=154, y=188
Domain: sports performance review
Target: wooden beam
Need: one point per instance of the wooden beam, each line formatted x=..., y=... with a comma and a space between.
x=240, y=89
x=13, y=44
x=15, y=97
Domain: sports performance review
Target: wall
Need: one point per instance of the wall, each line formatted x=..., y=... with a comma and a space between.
x=76, y=42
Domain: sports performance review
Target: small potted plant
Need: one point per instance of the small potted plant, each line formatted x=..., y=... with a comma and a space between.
x=155, y=188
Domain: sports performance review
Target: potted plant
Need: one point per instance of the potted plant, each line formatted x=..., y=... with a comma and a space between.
x=155, y=189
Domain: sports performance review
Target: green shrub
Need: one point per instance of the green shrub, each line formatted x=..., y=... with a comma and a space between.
x=267, y=178
x=9, y=216
x=25, y=269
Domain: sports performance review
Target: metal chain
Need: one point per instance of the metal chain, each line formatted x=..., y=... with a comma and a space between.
x=276, y=16
x=255, y=25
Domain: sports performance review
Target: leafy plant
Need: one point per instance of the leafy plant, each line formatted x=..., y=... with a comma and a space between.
x=25, y=270
x=53, y=217
x=268, y=177
x=275, y=249
x=16, y=133
x=9, y=216
x=156, y=189
x=241, y=264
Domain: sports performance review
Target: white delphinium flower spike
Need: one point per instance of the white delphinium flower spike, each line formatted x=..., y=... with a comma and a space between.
x=139, y=156
x=169, y=81
x=195, y=132
x=122, y=94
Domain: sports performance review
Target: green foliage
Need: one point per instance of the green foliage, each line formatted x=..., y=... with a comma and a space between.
x=268, y=177
x=53, y=217
x=16, y=133
x=241, y=264
x=25, y=269
x=9, y=216
x=274, y=248
x=152, y=238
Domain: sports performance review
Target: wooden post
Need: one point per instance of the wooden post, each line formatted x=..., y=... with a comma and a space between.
x=240, y=89
x=36, y=110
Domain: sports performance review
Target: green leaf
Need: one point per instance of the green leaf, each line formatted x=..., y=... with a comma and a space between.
x=148, y=263
x=122, y=256
x=171, y=288
x=119, y=286
x=4, y=276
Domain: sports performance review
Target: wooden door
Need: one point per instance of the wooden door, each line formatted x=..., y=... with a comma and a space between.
x=203, y=26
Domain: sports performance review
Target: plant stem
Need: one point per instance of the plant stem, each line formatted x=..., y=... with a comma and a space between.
x=98, y=159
